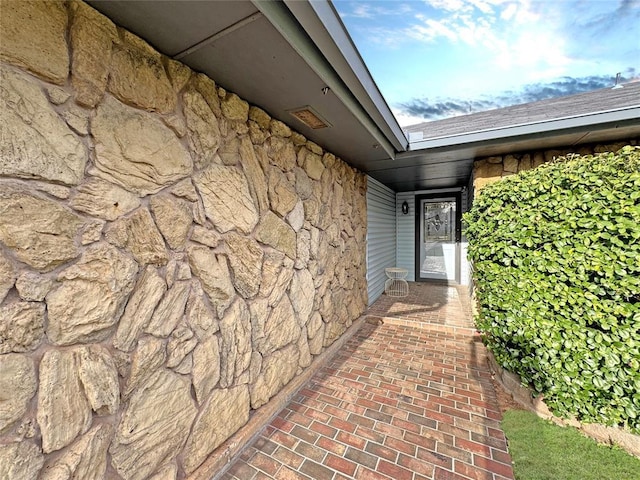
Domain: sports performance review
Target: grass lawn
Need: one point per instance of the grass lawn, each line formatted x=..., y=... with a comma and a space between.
x=543, y=451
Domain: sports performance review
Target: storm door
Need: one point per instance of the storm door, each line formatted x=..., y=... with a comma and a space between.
x=438, y=238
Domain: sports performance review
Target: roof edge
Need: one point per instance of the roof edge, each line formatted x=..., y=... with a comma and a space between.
x=325, y=28
x=591, y=121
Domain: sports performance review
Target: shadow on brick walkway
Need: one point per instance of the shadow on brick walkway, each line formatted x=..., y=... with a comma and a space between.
x=408, y=398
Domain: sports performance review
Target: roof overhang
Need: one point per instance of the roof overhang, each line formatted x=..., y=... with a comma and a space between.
x=279, y=56
x=447, y=161
x=283, y=55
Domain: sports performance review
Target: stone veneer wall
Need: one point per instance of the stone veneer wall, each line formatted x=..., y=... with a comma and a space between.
x=170, y=257
x=491, y=169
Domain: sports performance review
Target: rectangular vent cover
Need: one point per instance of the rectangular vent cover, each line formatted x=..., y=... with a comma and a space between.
x=309, y=117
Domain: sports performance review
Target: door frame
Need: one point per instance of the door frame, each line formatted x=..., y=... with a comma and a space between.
x=457, y=195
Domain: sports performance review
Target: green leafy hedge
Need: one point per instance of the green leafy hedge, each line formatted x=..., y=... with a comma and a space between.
x=556, y=255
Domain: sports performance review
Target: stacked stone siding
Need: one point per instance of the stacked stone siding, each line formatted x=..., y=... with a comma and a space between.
x=491, y=169
x=170, y=256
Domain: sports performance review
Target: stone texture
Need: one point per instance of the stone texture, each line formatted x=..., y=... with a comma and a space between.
x=58, y=191
x=138, y=234
x=170, y=310
x=154, y=426
x=230, y=150
x=35, y=142
x=270, y=270
x=296, y=216
x=207, y=88
x=257, y=134
x=178, y=73
x=91, y=296
x=99, y=378
x=63, y=409
x=302, y=295
x=274, y=232
x=57, y=95
x=213, y=272
x=282, y=282
x=235, y=343
x=312, y=163
x=181, y=344
x=17, y=387
x=486, y=172
x=177, y=270
x=304, y=185
x=203, y=130
x=140, y=307
x=86, y=459
x=277, y=370
x=205, y=236
x=281, y=153
x=77, y=118
x=314, y=147
x=279, y=129
x=280, y=329
x=255, y=175
x=259, y=116
x=168, y=472
x=234, y=108
x=103, y=199
x=39, y=231
x=314, y=324
x=147, y=358
x=173, y=218
x=91, y=36
x=185, y=366
x=138, y=76
x=33, y=287
x=312, y=210
x=176, y=123
x=185, y=189
x=136, y=150
x=20, y=460
x=34, y=36
x=223, y=414
x=305, y=357
x=245, y=257
x=303, y=249
x=282, y=194
x=226, y=197
x=200, y=316
x=206, y=368
x=7, y=275
x=510, y=164
x=21, y=326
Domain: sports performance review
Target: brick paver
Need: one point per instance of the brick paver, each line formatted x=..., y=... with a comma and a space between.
x=409, y=397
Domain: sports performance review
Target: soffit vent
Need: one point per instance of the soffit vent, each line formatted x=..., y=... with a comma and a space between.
x=309, y=117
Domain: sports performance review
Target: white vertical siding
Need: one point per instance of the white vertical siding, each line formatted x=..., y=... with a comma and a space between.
x=406, y=234
x=381, y=235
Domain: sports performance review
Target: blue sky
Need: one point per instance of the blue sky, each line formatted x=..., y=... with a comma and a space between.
x=436, y=59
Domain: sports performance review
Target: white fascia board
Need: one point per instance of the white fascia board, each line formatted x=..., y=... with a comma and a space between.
x=323, y=24
x=579, y=122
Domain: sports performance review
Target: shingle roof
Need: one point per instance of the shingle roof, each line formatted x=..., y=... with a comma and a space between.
x=605, y=99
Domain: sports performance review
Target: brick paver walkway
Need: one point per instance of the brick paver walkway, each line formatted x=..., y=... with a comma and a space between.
x=408, y=398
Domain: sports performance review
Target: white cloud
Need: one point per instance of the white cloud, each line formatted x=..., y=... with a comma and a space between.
x=508, y=34
x=406, y=119
x=362, y=10
x=373, y=10
x=431, y=30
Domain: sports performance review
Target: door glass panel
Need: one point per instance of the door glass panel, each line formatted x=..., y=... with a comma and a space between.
x=438, y=247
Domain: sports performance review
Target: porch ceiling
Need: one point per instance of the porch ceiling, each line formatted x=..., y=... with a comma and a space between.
x=281, y=55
